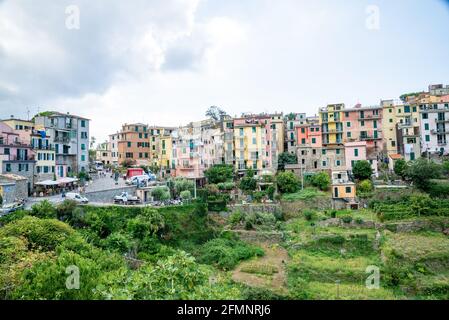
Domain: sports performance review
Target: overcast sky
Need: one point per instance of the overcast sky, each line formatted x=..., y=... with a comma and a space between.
x=166, y=61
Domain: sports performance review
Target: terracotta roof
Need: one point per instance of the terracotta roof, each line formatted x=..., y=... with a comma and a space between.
x=395, y=156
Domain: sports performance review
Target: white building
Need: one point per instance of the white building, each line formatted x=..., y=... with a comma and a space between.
x=434, y=125
x=70, y=138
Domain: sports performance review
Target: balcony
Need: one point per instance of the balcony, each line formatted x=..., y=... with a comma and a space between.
x=44, y=148
x=369, y=138
x=64, y=140
x=440, y=131
x=370, y=117
x=441, y=120
x=16, y=158
x=442, y=143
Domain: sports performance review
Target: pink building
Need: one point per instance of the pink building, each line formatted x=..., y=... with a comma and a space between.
x=16, y=157
x=309, y=134
x=364, y=124
x=354, y=151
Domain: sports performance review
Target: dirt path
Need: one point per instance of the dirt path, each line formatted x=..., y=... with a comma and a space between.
x=264, y=272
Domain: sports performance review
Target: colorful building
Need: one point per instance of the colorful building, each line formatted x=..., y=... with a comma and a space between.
x=45, y=156
x=291, y=121
x=70, y=138
x=134, y=144
x=365, y=124
x=16, y=157
x=434, y=124
x=331, y=118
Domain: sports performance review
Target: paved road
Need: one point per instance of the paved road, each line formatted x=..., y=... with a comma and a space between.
x=98, y=184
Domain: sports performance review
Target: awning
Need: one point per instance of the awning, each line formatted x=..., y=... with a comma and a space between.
x=66, y=180
x=48, y=183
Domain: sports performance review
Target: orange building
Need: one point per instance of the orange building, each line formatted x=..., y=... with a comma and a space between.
x=134, y=144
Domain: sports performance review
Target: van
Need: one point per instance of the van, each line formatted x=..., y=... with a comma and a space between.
x=76, y=197
x=138, y=180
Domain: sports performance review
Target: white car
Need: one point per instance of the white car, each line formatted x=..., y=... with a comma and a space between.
x=125, y=198
x=9, y=208
x=77, y=198
x=138, y=180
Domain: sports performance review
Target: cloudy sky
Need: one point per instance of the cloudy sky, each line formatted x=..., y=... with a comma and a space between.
x=166, y=61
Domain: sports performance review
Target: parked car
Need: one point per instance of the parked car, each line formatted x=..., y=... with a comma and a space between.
x=126, y=198
x=138, y=180
x=12, y=207
x=76, y=197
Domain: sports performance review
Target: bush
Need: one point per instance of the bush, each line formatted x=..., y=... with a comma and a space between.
x=309, y=215
x=44, y=210
x=400, y=167
x=182, y=185
x=421, y=171
x=219, y=174
x=186, y=195
x=346, y=219
x=287, y=182
x=160, y=193
x=235, y=218
x=365, y=186
x=258, y=196
x=226, y=186
x=321, y=180
x=64, y=211
x=270, y=192
x=362, y=170
x=226, y=254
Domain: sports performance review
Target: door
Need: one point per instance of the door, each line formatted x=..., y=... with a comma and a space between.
x=336, y=192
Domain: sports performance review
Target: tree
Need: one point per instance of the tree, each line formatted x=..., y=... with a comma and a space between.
x=181, y=185
x=128, y=163
x=400, y=166
x=321, y=180
x=365, y=186
x=286, y=158
x=93, y=140
x=186, y=195
x=248, y=183
x=215, y=113
x=160, y=193
x=421, y=171
x=219, y=173
x=287, y=182
x=362, y=170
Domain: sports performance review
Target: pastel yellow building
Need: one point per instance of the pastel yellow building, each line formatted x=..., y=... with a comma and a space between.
x=248, y=146
x=331, y=124
x=23, y=128
x=161, y=145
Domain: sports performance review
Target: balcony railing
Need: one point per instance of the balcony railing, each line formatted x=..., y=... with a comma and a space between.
x=62, y=139
x=368, y=138
x=370, y=117
x=19, y=158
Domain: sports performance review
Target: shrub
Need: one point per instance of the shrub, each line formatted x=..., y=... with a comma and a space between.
x=186, y=195
x=365, y=186
x=400, y=167
x=235, y=217
x=362, y=170
x=270, y=192
x=44, y=209
x=219, y=174
x=346, y=219
x=182, y=185
x=226, y=186
x=226, y=253
x=258, y=196
x=160, y=194
x=309, y=215
x=421, y=171
x=287, y=182
x=321, y=180
x=64, y=211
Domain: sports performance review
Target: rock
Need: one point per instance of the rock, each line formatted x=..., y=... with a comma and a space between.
x=446, y=232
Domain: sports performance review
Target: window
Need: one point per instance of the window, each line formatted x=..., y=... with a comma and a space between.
x=83, y=158
x=241, y=132
x=427, y=138
x=323, y=151
x=83, y=146
x=254, y=141
x=313, y=140
x=426, y=126
x=303, y=141
x=129, y=144
x=425, y=116
x=8, y=167
x=348, y=124
x=83, y=123
x=407, y=109
x=254, y=129
x=337, y=163
x=390, y=110
x=391, y=120
x=393, y=143
x=324, y=164
x=348, y=134
x=7, y=151
x=356, y=152
x=362, y=123
x=348, y=189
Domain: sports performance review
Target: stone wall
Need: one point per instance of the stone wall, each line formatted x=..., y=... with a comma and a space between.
x=254, y=208
x=107, y=196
